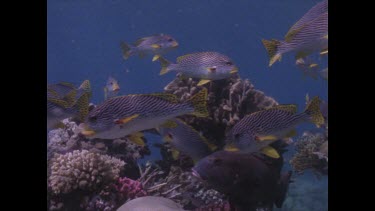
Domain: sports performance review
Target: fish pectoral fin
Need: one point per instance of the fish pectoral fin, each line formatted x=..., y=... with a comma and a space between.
x=87, y=132
x=291, y=133
x=169, y=124
x=137, y=138
x=267, y=138
x=156, y=57
x=155, y=46
x=203, y=81
x=231, y=148
x=175, y=154
x=211, y=69
x=313, y=65
x=126, y=119
x=270, y=152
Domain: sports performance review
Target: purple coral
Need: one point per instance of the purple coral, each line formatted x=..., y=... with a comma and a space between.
x=215, y=207
x=129, y=189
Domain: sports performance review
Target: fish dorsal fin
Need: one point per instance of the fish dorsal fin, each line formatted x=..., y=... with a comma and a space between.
x=180, y=58
x=290, y=108
x=211, y=146
x=168, y=97
x=70, y=85
x=70, y=98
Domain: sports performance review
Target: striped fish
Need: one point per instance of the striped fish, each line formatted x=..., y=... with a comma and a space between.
x=124, y=115
x=206, y=66
x=156, y=45
x=310, y=36
x=256, y=131
x=319, y=9
x=64, y=101
x=186, y=139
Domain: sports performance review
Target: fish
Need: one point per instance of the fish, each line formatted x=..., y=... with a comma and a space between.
x=308, y=35
x=64, y=101
x=150, y=203
x=256, y=131
x=111, y=88
x=206, y=66
x=184, y=138
x=157, y=45
x=312, y=69
x=124, y=115
x=244, y=178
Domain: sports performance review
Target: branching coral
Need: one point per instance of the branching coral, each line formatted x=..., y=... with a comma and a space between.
x=129, y=189
x=83, y=170
x=229, y=100
x=312, y=153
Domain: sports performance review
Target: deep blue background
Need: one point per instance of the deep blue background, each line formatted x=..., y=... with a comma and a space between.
x=83, y=39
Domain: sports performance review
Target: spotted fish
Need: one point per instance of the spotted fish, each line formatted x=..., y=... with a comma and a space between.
x=206, y=66
x=156, y=45
x=124, y=115
x=64, y=100
x=308, y=35
x=257, y=130
x=186, y=139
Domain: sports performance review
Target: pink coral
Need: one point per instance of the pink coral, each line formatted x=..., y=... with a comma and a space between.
x=129, y=189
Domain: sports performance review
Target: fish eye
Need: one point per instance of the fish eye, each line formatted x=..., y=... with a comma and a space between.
x=229, y=63
x=170, y=40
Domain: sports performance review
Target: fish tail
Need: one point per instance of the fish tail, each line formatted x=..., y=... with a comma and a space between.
x=313, y=110
x=164, y=65
x=85, y=86
x=284, y=181
x=82, y=106
x=272, y=50
x=199, y=102
x=126, y=50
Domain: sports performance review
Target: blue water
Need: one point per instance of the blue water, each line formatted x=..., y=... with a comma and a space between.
x=83, y=39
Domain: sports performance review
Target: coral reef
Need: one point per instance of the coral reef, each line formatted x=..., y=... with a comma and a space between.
x=312, y=153
x=83, y=170
x=129, y=189
x=229, y=100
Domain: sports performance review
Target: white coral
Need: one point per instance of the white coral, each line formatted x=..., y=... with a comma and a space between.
x=83, y=170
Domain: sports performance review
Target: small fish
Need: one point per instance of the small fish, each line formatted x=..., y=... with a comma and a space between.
x=206, y=66
x=151, y=203
x=64, y=100
x=308, y=67
x=186, y=139
x=124, y=115
x=244, y=178
x=308, y=35
x=111, y=89
x=156, y=45
x=257, y=130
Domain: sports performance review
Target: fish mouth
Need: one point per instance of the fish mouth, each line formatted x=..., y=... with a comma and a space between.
x=234, y=70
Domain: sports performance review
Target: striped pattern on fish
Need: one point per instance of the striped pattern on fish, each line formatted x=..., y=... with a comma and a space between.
x=316, y=11
x=124, y=115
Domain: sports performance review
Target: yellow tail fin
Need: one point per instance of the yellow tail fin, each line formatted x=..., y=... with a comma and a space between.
x=126, y=50
x=164, y=65
x=272, y=50
x=313, y=110
x=86, y=87
x=82, y=106
x=199, y=102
